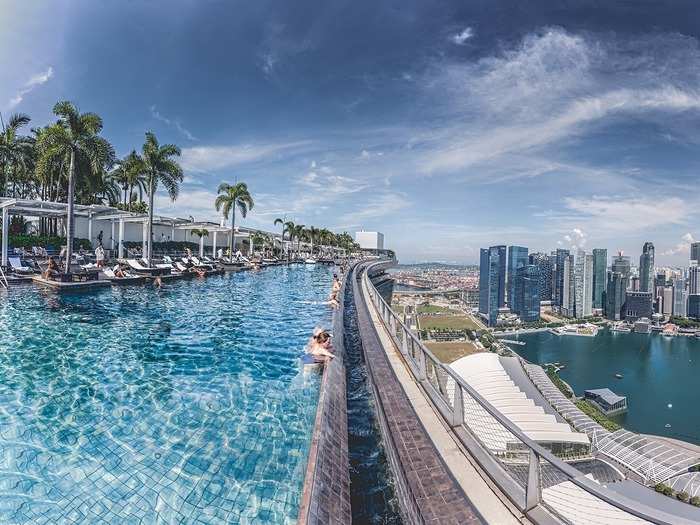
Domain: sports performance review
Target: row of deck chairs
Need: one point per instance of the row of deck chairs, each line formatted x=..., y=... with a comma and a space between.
x=170, y=266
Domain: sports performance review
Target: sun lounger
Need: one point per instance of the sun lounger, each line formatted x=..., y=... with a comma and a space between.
x=18, y=267
x=146, y=270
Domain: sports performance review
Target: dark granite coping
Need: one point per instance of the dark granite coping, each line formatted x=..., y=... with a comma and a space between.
x=325, y=497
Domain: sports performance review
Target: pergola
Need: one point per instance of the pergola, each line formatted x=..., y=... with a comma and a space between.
x=211, y=227
x=122, y=218
x=37, y=208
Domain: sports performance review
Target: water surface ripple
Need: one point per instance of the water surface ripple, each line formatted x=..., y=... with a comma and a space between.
x=172, y=405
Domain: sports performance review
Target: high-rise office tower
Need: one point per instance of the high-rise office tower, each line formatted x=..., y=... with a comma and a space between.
x=637, y=304
x=646, y=268
x=621, y=264
x=517, y=258
x=545, y=265
x=560, y=256
x=667, y=301
x=694, y=306
x=695, y=252
x=568, y=293
x=680, y=297
x=583, y=280
x=600, y=267
x=694, y=280
x=492, y=265
x=614, y=296
x=527, y=292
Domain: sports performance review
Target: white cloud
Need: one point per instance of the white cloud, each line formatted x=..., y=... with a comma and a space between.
x=681, y=247
x=373, y=207
x=461, y=38
x=35, y=81
x=210, y=158
x=176, y=123
x=625, y=215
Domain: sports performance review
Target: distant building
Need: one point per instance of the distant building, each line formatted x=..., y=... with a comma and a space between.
x=560, y=257
x=517, y=258
x=583, y=285
x=606, y=400
x=642, y=325
x=370, y=240
x=694, y=306
x=695, y=252
x=545, y=266
x=470, y=298
x=694, y=280
x=600, y=267
x=680, y=298
x=646, y=268
x=667, y=301
x=637, y=304
x=614, y=296
x=634, y=283
x=492, y=269
x=527, y=293
x=621, y=264
x=568, y=293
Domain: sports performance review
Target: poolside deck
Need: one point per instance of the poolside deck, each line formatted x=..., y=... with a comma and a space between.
x=76, y=286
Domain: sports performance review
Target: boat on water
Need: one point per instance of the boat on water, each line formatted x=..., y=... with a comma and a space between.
x=621, y=327
x=310, y=260
x=619, y=376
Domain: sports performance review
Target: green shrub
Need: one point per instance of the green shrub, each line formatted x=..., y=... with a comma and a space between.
x=45, y=241
x=683, y=496
x=659, y=487
x=695, y=500
x=668, y=491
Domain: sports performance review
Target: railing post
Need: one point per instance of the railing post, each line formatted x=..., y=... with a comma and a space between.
x=458, y=408
x=533, y=490
x=404, y=342
x=422, y=376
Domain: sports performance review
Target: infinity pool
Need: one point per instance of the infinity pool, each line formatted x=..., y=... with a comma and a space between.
x=176, y=405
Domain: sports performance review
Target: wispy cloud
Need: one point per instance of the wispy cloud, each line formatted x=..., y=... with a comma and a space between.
x=212, y=158
x=35, y=81
x=461, y=38
x=682, y=247
x=170, y=122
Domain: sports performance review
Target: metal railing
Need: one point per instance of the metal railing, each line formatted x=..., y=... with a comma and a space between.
x=532, y=477
x=3, y=279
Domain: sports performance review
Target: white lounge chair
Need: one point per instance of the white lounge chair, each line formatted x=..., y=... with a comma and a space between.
x=17, y=266
x=140, y=268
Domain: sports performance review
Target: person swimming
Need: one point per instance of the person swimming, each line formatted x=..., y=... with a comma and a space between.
x=320, y=346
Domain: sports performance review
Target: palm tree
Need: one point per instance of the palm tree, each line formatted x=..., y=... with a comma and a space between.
x=75, y=140
x=280, y=222
x=231, y=197
x=299, y=230
x=201, y=233
x=159, y=168
x=312, y=234
x=16, y=151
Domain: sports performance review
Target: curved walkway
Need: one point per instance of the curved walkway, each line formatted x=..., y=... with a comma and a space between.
x=435, y=468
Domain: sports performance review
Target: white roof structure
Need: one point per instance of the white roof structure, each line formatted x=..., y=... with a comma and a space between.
x=485, y=373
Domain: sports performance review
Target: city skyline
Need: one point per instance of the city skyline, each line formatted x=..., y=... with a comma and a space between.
x=528, y=124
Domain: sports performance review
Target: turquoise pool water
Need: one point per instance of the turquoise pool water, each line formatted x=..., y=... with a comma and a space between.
x=179, y=405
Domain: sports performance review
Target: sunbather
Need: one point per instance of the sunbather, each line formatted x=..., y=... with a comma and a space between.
x=51, y=269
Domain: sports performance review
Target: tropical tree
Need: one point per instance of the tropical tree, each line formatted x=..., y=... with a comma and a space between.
x=281, y=222
x=231, y=197
x=199, y=232
x=312, y=235
x=160, y=167
x=299, y=231
x=16, y=151
x=75, y=141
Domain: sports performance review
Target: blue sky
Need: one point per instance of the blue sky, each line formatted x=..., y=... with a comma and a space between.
x=448, y=125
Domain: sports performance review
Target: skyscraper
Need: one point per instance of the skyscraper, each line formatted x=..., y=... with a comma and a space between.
x=560, y=256
x=614, y=296
x=545, y=265
x=600, y=266
x=517, y=258
x=646, y=268
x=492, y=266
x=694, y=280
x=527, y=292
x=680, y=298
x=637, y=304
x=583, y=284
x=568, y=293
x=695, y=252
x=621, y=264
